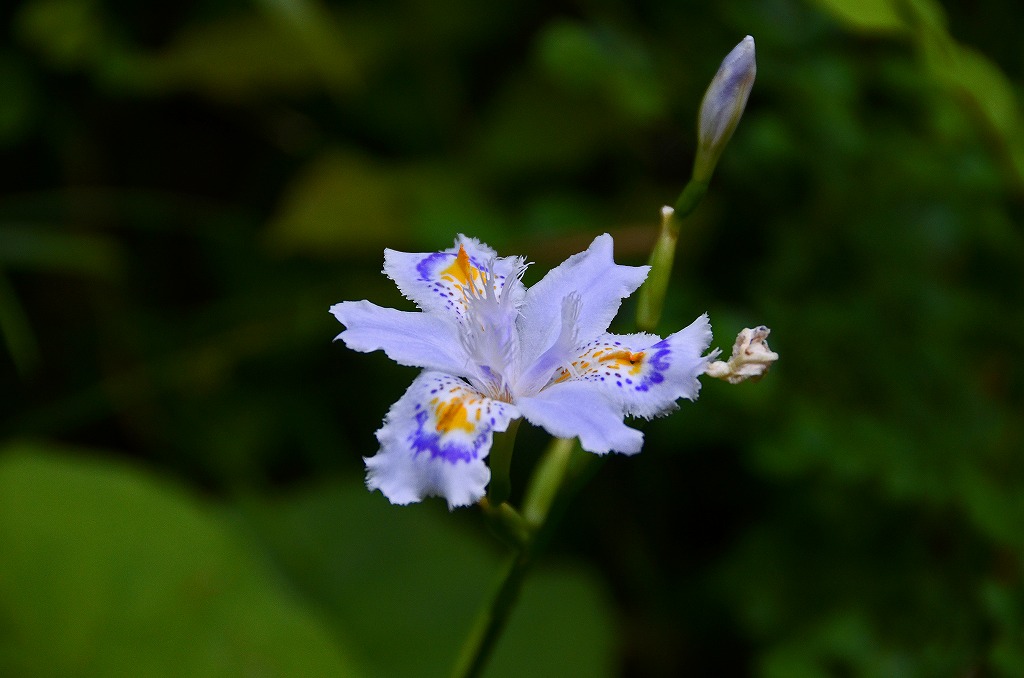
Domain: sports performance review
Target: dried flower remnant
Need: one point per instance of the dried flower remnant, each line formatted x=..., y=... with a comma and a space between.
x=750, y=358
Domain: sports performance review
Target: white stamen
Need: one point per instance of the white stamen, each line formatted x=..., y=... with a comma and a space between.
x=548, y=367
x=489, y=334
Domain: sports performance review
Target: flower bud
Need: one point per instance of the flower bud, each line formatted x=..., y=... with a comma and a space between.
x=723, y=106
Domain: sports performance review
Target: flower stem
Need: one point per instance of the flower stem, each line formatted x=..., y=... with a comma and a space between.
x=506, y=522
x=491, y=621
x=689, y=198
x=500, y=485
x=547, y=481
x=527, y=534
x=651, y=298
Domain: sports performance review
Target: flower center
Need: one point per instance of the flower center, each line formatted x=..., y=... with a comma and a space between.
x=489, y=333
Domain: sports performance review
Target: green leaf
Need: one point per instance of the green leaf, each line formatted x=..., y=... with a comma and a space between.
x=865, y=15
x=313, y=27
x=109, y=572
x=964, y=71
x=252, y=56
x=973, y=77
x=68, y=33
x=340, y=203
x=35, y=247
x=604, y=61
x=406, y=582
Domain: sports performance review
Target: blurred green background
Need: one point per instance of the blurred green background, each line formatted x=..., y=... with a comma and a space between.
x=186, y=187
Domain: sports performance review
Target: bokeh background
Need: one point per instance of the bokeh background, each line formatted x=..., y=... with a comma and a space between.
x=185, y=188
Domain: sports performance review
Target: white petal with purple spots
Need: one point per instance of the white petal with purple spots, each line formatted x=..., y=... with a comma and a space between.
x=643, y=372
x=434, y=442
x=437, y=281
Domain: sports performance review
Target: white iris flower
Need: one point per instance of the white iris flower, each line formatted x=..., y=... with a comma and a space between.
x=493, y=351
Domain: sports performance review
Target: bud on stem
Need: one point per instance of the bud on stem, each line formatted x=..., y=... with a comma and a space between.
x=723, y=106
x=720, y=112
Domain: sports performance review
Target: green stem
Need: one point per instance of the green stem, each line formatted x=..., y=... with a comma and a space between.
x=689, y=198
x=500, y=486
x=491, y=621
x=527, y=534
x=651, y=299
x=547, y=481
x=507, y=524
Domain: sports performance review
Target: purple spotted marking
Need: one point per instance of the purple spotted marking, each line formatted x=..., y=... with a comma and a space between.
x=426, y=267
x=659, y=365
x=429, y=441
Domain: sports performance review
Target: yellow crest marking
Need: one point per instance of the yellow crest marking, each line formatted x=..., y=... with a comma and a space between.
x=452, y=416
x=462, y=270
x=634, y=362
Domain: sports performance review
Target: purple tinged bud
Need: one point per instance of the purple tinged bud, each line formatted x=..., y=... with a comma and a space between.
x=723, y=106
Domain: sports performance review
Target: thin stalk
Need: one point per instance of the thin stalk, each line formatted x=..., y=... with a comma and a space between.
x=547, y=481
x=491, y=621
x=500, y=485
x=527, y=534
x=651, y=298
x=689, y=198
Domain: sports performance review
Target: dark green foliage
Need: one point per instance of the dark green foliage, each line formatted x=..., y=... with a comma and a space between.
x=186, y=189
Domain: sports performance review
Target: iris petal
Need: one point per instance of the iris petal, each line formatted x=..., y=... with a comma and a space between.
x=436, y=280
x=434, y=442
x=409, y=338
x=576, y=409
x=643, y=372
x=601, y=285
